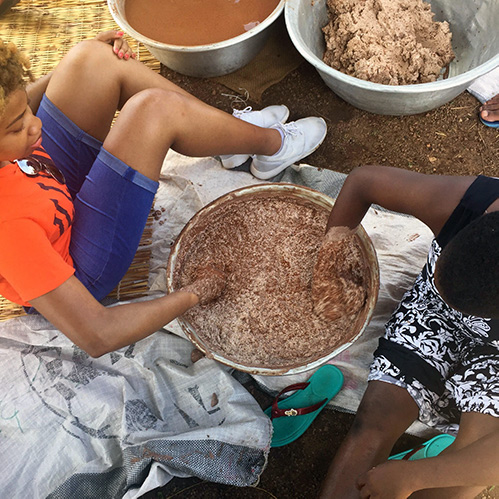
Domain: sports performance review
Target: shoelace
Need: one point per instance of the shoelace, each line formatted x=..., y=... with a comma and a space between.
x=290, y=128
x=238, y=113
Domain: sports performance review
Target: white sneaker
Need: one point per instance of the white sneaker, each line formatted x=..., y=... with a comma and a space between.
x=300, y=138
x=265, y=118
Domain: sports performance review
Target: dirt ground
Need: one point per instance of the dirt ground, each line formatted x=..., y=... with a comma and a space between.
x=448, y=140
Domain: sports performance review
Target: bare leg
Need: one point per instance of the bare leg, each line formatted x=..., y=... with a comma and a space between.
x=91, y=83
x=472, y=427
x=490, y=110
x=385, y=412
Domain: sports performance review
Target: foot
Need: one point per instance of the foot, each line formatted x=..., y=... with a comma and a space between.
x=489, y=112
x=300, y=138
x=265, y=118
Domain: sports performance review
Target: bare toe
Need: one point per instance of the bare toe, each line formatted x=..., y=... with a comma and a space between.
x=490, y=109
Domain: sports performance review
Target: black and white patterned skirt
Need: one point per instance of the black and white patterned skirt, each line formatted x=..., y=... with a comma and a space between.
x=446, y=360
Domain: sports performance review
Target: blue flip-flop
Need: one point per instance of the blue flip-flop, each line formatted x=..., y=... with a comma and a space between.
x=293, y=415
x=431, y=448
x=491, y=124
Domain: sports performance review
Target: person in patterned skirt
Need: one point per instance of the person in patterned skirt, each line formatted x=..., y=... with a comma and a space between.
x=438, y=360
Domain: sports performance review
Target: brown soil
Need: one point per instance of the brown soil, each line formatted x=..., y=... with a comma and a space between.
x=449, y=140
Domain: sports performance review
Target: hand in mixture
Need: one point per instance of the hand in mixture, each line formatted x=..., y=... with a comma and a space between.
x=339, y=281
x=209, y=284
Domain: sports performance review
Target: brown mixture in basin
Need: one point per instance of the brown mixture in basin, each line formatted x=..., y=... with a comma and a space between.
x=338, y=285
x=267, y=246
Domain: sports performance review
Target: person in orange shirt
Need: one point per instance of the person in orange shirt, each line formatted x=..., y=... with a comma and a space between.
x=75, y=192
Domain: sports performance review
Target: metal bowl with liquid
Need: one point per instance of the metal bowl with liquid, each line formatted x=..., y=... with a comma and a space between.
x=215, y=59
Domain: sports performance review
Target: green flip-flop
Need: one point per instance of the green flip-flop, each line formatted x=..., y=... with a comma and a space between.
x=293, y=415
x=431, y=448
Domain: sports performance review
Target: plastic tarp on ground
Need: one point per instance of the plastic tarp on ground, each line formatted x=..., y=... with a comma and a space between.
x=73, y=426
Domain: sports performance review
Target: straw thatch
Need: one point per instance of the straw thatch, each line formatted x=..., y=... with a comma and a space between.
x=45, y=31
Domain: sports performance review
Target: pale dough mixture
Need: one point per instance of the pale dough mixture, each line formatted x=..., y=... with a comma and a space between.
x=393, y=42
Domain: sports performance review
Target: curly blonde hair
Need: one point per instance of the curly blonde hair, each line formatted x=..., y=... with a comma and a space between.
x=14, y=71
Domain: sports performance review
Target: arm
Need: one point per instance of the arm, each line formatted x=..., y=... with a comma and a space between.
x=475, y=465
x=430, y=198
x=337, y=286
x=99, y=330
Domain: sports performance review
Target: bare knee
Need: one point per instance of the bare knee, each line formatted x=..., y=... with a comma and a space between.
x=87, y=55
x=146, y=128
x=157, y=106
x=90, y=49
x=384, y=414
x=371, y=422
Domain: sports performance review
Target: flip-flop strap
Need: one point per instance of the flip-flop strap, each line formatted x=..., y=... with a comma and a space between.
x=277, y=413
x=412, y=452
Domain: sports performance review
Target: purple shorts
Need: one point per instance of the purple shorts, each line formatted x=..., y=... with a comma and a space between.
x=112, y=201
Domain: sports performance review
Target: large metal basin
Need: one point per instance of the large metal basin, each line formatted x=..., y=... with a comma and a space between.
x=215, y=59
x=316, y=198
x=475, y=40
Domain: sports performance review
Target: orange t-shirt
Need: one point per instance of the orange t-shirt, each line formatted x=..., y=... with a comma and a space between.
x=36, y=215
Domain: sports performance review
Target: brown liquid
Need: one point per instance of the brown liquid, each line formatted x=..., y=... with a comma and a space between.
x=196, y=22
